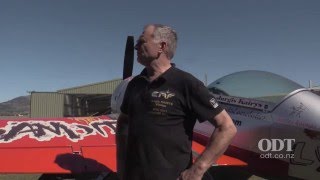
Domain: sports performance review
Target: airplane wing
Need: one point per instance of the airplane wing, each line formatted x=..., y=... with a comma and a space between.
x=58, y=145
x=65, y=145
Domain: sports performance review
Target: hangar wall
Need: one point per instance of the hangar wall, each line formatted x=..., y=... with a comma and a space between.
x=86, y=100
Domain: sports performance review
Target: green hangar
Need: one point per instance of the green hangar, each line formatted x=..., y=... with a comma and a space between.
x=86, y=100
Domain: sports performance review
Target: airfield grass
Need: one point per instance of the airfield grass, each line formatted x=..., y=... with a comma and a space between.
x=12, y=117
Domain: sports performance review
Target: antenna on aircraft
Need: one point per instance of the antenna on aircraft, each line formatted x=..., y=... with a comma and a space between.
x=128, y=58
x=310, y=84
x=205, y=79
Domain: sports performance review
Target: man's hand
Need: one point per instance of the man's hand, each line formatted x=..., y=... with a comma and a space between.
x=195, y=172
x=189, y=175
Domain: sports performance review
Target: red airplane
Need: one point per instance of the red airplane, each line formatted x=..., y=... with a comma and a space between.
x=70, y=145
x=278, y=131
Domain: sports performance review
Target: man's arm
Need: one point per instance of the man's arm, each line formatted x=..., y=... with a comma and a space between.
x=121, y=141
x=219, y=141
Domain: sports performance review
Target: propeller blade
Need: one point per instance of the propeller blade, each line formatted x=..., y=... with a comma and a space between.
x=128, y=58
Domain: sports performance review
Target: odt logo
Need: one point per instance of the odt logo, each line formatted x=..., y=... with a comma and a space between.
x=275, y=144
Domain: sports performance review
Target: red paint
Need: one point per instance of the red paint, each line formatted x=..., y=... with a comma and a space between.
x=59, y=154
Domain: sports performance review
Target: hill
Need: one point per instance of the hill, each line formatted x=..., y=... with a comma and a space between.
x=16, y=106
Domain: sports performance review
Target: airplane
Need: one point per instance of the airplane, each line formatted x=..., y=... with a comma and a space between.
x=278, y=124
x=72, y=145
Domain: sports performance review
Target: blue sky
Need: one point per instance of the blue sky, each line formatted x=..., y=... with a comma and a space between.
x=47, y=45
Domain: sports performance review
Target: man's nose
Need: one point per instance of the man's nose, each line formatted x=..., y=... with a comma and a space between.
x=136, y=47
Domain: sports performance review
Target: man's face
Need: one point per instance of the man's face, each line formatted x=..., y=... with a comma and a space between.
x=147, y=49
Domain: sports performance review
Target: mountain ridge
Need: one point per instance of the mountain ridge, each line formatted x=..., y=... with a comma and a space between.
x=16, y=106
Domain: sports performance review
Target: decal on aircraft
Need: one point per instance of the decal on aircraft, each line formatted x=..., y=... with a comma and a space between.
x=46, y=130
x=250, y=103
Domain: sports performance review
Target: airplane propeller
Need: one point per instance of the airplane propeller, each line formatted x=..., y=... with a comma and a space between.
x=128, y=58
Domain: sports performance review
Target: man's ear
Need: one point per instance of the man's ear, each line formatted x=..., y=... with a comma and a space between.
x=163, y=46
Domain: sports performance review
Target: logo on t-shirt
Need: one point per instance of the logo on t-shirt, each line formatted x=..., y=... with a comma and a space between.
x=214, y=103
x=165, y=94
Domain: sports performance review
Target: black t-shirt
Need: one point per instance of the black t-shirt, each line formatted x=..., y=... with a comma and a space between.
x=162, y=114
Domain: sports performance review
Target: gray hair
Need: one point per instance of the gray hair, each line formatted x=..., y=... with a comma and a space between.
x=168, y=35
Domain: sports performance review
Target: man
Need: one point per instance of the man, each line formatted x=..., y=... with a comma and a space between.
x=161, y=106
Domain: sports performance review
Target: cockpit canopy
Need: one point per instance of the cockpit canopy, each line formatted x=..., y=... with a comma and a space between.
x=259, y=85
